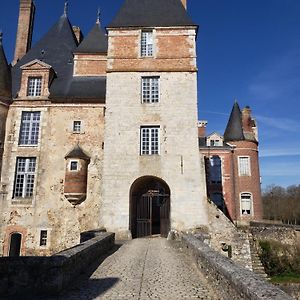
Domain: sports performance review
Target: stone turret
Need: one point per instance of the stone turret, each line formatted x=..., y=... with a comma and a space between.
x=75, y=188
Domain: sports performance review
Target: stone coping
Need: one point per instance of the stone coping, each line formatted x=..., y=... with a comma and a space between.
x=49, y=275
x=229, y=280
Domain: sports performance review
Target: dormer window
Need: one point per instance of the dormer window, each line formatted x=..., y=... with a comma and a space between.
x=37, y=77
x=147, y=43
x=34, y=86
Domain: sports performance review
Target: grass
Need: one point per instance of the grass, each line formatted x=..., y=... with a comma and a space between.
x=286, y=278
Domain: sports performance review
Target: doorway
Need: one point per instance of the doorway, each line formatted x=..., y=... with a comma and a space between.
x=15, y=245
x=149, y=207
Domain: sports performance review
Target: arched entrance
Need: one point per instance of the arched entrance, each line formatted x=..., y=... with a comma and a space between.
x=15, y=244
x=149, y=207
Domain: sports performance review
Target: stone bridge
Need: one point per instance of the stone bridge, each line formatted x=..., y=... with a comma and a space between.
x=149, y=268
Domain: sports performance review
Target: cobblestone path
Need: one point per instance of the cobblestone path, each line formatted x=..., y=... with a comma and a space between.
x=144, y=269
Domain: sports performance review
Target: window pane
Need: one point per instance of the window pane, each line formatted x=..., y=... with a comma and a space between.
x=149, y=140
x=246, y=200
x=76, y=126
x=150, y=89
x=25, y=176
x=30, y=127
x=244, y=166
x=147, y=43
x=74, y=165
x=34, y=86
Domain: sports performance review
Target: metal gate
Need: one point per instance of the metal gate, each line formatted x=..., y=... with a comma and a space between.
x=145, y=205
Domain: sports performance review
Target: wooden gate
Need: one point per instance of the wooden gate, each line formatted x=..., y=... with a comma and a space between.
x=146, y=205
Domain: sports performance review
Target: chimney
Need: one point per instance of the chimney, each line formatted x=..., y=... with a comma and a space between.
x=25, y=29
x=78, y=34
x=202, y=128
x=184, y=3
x=246, y=119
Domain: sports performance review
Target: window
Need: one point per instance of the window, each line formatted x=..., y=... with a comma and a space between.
x=25, y=174
x=244, y=166
x=74, y=166
x=43, y=238
x=150, y=89
x=34, y=86
x=215, y=172
x=246, y=203
x=147, y=43
x=30, y=126
x=149, y=140
x=77, y=126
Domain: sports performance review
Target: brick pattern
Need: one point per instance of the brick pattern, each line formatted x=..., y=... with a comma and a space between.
x=25, y=27
x=90, y=65
x=174, y=51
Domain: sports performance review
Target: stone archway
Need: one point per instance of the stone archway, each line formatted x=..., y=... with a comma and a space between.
x=149, y=207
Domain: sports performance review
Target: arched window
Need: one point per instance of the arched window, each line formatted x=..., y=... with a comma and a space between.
x=15, y=244
x=246, y=203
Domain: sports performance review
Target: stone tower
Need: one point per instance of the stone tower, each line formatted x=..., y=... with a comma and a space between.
x=241, y=134
x=25, y=29
x=153, y=180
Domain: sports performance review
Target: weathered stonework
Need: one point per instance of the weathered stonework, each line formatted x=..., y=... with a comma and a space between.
x=48, y=208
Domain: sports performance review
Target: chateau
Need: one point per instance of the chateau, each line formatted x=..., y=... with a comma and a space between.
x=101, y=132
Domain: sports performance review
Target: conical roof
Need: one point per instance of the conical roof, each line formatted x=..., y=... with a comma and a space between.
x=77, y=152
x=151, y=13
x=234, y=129
x=56, y=49
x=5, y=73
x=95, y=42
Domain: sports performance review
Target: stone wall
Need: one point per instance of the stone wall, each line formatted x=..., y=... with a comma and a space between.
x=223, y=233
x=285, y=234
x=229, y=280
x=48, y=209
x=49, y=275
x=293, y=289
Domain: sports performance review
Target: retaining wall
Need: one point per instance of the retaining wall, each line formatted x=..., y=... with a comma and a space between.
x=49, y=275
x=229, y=280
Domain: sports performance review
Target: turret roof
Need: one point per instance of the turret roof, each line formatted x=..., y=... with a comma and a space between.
x=151, y=13
x=77, y=152
x=95, y=42
x=5, y=73
x=234, y=129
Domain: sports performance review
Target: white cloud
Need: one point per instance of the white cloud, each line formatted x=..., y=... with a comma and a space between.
x=285, y=124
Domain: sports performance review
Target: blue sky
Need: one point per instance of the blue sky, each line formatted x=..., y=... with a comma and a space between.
x=247, y=49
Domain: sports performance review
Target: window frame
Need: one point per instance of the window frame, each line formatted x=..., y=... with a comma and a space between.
x=77, y=126
x=29, y=134
x=34, y=90
x=149, y=142
x=147, y=43
x=250, y=195
x=153, y=95
x=43, y=239
x=77, y=165
x=24, y=180
x=241, y=168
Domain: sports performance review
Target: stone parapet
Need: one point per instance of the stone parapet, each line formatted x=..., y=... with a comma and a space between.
x=50, y=275
x=229, y=280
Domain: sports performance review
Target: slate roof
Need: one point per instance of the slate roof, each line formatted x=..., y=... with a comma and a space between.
x=234, y=129
x=151, y=13
x=95, y=42
x=5, y=73
x=56, y=49
x=77, y=152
